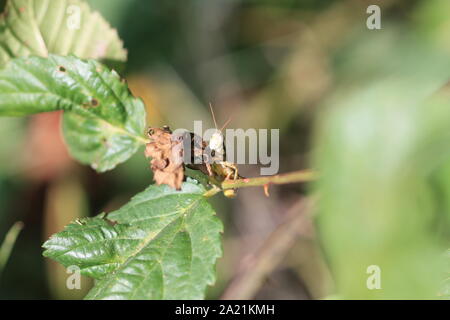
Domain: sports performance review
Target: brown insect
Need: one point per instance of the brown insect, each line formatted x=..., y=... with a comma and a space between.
x=210, y=154
x=224, y=170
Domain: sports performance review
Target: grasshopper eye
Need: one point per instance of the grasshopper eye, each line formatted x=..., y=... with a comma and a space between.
x=150, y=132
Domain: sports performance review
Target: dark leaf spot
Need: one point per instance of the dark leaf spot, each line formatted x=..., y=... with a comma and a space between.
x=94, y=102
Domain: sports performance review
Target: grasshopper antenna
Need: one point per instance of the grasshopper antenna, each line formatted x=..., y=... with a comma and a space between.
x=226, y=123
x=213, y=116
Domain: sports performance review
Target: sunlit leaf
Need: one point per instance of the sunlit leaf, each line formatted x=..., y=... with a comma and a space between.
x=42, y=27
x=103, y=123
x=163, y=244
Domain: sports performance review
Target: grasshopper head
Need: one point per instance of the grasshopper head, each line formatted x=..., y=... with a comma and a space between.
x=216, y=142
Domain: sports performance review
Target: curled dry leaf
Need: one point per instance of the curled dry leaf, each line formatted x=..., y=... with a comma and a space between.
x=167, y=157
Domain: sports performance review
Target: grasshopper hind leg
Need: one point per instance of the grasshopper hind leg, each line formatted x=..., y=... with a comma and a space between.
x=232, y=174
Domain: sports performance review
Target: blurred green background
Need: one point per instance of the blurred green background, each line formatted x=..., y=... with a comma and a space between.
x=358, y=105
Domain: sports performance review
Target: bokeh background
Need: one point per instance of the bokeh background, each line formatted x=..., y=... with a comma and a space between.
x=268, y=64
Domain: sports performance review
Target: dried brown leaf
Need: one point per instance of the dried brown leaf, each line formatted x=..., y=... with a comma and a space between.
x=167, y=157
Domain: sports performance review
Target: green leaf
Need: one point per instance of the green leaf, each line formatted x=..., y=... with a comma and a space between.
x=163, y=244
x=444, y=293
x=41, y=27
x=379, y=143
x=103, y=123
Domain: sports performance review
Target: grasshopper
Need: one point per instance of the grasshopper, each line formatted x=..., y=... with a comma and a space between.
x=213, y=154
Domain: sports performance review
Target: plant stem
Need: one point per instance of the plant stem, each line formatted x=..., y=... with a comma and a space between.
x=261, y=264
x=291, y=177
x=8, y=243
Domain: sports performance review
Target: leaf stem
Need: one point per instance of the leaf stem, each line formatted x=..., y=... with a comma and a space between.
x=259, y=265
x=121, y=130
x=141, y=139
x=285, y=178
x=8, y=243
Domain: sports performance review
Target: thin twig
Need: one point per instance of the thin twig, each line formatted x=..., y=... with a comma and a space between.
x=252, y=274
x=291, y=177
x=8, y=243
